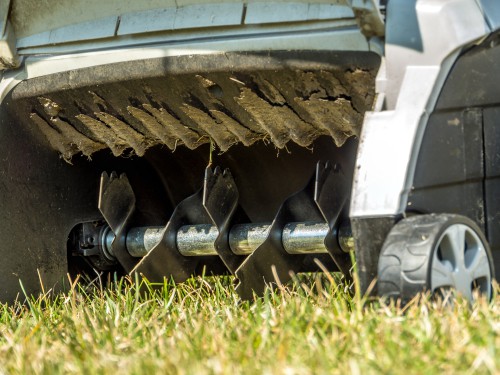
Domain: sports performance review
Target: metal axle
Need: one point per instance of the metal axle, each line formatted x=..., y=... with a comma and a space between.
x=198, y=240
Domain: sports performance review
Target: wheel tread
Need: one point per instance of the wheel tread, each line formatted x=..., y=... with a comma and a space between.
x=406, y=256
x=409, y=242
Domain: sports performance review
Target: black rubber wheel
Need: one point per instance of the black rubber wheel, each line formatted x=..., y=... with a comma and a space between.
x=435, y=253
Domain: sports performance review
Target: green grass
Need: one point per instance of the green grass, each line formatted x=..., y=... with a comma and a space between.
x=200, y=327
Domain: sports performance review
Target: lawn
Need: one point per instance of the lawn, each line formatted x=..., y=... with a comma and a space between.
x=313, y=326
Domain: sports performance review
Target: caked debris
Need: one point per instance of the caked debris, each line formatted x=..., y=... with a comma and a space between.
x=194, y=109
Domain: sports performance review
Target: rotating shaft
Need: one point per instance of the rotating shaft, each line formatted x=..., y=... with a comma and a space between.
x=198, y=240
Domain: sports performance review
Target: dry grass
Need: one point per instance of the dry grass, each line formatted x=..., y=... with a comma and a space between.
x=200, y=327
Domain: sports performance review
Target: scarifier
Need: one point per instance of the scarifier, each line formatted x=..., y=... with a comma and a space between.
x=260, y=139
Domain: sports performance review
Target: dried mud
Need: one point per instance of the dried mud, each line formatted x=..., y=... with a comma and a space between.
x=192, y=109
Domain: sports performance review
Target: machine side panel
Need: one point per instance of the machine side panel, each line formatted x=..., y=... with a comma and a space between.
x=491, y=118
x=38, y=193
x=458, y=167
x=473, y=81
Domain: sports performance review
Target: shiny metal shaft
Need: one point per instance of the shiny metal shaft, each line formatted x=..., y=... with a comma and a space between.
x=198, y=240
x=297, y=238
x=195, y=240
x=245, y=238
x=140, y=241
x=304, y=238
